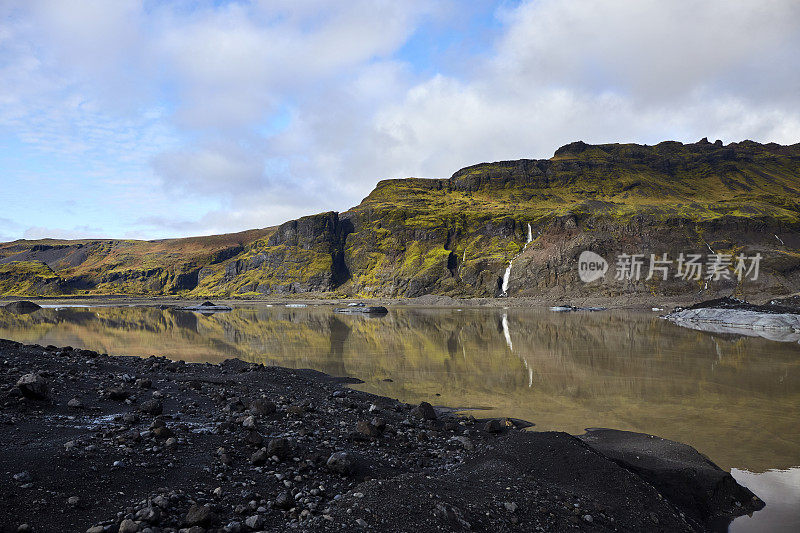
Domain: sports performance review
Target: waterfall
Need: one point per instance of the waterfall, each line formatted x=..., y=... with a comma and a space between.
x=507, y=275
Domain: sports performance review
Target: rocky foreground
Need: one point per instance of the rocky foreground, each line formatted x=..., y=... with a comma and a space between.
x=97, y=443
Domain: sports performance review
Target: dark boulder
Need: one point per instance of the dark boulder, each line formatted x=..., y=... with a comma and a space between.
x=33, y=386
x=424, y=411
x=152, y=407
x=22, y=307
x=687, y=478
x=200, y=515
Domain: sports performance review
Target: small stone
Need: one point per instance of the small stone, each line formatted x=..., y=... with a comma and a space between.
x=23, y=477
x=199, y=515
x=73, y=501
x=117, y=393
x=217, y=492
x=152, y=407
x=366, y=428
x=95, y=529
x=161, y=501
x=511, y=507
x=249, y=422
x=24, y=528
x=162, y=432
x=343, y=463
x=465, y=442
x=296, y=410
x=361, y=522
x=283, y=500
x=34, y=387
x=281, y=448
x=233, y=527
x=254, y=522
x=262, y=407
x=75, y=403
x=259, y=457
x=588, y=518
x=128, y=526
x=424, y=411
x=493, y=426
x=254, y=438
x=150, y=514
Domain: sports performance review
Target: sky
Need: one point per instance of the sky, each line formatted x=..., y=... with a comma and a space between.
x=151, y=119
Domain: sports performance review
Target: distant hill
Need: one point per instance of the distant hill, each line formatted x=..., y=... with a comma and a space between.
x=456, y=236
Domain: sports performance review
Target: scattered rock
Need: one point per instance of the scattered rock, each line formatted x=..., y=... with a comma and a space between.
x=200, y=515
x=128, y=526
x=283, y=500
x=343, y=463
x=75, y=403
x=281, y=448
x=254, y=522
x=424, y=411
x=33, y=386
x=152, y=407
x=117, y=393
x=262, y=407
x=493, y=426
x=259, y=457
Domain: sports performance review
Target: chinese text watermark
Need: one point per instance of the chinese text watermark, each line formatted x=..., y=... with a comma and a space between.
x=710, y=267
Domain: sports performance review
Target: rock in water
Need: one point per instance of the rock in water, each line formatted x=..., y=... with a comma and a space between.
x=371, y=310
x=22, y=307
x=33, y=386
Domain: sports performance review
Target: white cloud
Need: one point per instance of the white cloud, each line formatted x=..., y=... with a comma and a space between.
x=78, y=232
x=263, y=111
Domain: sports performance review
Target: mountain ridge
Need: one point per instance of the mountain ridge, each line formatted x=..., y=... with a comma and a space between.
x=457, y=235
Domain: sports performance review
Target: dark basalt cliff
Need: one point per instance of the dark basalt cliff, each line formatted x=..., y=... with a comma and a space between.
x=456, y=236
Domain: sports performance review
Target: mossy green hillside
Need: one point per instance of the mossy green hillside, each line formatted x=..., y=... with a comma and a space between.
x=456, y=235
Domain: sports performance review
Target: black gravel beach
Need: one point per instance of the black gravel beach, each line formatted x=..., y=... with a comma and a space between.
x=98, y=443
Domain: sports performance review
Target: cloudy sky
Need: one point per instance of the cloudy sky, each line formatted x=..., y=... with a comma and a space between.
x=149, y=119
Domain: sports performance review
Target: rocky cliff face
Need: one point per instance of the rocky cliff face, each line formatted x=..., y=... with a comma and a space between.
x=457, y=236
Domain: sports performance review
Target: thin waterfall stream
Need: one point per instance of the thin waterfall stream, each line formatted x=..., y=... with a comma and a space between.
x=507, y=274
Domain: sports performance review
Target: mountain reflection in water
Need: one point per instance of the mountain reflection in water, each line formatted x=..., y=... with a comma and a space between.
x=736, y=399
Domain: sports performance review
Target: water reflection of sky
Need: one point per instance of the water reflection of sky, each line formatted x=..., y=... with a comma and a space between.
x=734, y=398
x=781, y=490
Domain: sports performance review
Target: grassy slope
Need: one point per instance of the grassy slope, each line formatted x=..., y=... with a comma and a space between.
x=613, y=183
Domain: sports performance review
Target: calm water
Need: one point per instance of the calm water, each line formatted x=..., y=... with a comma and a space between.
x=736, y=399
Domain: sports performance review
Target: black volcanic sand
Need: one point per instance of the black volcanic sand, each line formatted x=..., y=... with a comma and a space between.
x=244, y=447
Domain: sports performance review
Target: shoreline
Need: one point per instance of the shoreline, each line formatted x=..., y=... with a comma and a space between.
x=634, y=302
x=237, y=440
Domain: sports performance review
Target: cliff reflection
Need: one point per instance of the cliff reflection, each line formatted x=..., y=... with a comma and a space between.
x=736, y=399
